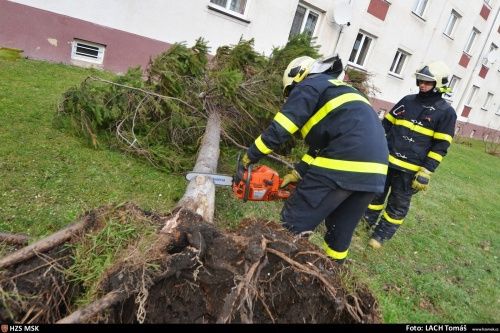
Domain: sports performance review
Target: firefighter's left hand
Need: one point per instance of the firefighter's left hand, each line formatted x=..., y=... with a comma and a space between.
x=291, y=177
x=421, y=179
x=245, y=161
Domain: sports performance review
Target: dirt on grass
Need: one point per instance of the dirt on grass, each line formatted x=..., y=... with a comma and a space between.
x=189, y=271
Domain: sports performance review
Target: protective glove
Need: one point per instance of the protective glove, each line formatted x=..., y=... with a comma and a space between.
x=291, y=177
x=421, y=179
x=245, y=160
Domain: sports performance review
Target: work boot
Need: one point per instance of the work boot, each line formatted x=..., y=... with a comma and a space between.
x=375, y=243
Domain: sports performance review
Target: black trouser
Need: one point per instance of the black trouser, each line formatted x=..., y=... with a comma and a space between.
x=398, y=186
x=313, y=201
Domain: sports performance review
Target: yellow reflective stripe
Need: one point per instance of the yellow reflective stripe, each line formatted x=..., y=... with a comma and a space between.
x=329, y=107
x=403, y=164
x=443, y=136
x=332, y=253
x=393, y=221
x=408, y=124
x=307, y=158
x=376, y=207
x=435, y=156
x=286, y=123
x=351, y=166
x=390, y=118
x=262, y=146
x=338, y=83
x=413, y=127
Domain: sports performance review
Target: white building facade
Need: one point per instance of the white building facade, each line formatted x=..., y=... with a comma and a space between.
x=388, y=39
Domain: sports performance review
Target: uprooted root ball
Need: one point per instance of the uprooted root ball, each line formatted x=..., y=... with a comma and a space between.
x=191, y=272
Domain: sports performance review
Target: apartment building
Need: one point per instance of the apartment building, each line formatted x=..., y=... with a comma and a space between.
x=388, y=39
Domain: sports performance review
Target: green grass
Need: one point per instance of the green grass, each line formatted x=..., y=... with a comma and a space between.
x=442, y=265
x=49, y=177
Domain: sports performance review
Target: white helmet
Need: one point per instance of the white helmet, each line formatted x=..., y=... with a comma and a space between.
x=296, y=71
x=300, y=67
x=436, y=72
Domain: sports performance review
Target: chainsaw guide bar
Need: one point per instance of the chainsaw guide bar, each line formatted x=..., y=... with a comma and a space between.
x=220, y=180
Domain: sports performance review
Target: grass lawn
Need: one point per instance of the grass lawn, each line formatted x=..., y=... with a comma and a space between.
x=442, y=266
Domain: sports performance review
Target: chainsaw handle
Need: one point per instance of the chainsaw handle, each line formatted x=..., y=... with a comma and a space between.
x=247, y=183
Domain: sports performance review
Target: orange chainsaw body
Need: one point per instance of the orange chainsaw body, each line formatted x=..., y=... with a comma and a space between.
x=261, y=183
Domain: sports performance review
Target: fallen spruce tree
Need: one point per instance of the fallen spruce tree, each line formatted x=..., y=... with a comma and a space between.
x=178, y=267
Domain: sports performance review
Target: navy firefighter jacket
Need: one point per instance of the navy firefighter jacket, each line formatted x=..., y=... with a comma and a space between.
x=347, y=145
x=419, y=131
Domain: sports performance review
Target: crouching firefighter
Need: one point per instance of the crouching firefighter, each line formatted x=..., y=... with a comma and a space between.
x=419, y=130
x=346, y=164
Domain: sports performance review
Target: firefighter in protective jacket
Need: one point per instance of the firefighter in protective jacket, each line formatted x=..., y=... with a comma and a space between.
x=346, y=164
x=419, y=130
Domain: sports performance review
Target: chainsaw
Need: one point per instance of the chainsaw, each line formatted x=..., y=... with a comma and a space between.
x=256, y=183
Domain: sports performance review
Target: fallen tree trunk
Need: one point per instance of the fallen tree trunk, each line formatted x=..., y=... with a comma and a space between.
x=14, y=239
x=200, y=193
x=47, y=243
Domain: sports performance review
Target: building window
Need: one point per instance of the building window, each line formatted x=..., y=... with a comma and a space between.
x=471, y=135
x=87, y=51
x=234, y=6
x=491, y=53
x=471, y=96
x=420, y=6
x=398, y=62
x=452, y=22
x=454, y=83
x=304, y=21
x=487, y=102
x=470, y=41
x=360, y=50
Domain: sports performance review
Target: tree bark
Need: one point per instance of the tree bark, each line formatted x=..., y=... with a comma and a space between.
x=44, y=244
x=200, y=193
x=15, y=239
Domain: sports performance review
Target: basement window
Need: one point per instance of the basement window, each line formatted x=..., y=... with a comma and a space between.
x=87, y=51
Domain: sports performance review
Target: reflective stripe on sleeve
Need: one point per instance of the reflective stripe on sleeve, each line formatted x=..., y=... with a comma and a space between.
x=443, y=136
x=307, y=158
x=351, y=166
x=403, y=164
x=391, y=220
x=329, y=107
x=435, y=156
x=286, y=123
x=262, y=146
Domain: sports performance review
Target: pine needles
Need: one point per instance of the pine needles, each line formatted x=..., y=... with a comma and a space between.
x=161, y=117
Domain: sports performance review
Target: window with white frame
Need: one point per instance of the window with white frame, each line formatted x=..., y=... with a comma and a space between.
x=304, y=21
x=452, y=23
x=487, y=101
x=454, y=83
x=471, y=40
x=235, y=6
x=87, y=51
x=360, y=50
x=420, y=7
x=399, y=62
x=493, y=50
x=471, y=96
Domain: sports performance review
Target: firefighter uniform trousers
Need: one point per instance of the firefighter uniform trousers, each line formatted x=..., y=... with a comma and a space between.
x=398, y=186
x=312, y=202
x=346, y=163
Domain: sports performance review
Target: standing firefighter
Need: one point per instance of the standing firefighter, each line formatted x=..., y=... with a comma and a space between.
x=346, y=163
x=419, y=130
